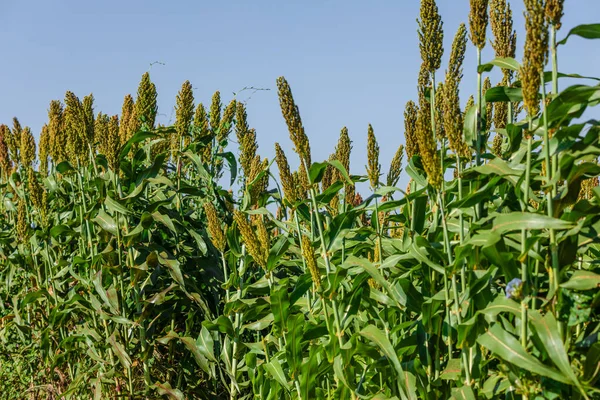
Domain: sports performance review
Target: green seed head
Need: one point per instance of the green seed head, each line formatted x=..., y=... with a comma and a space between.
x=184, y=112
x=217, y=236
x=128, y=119
x=431, y=35
x=145, y=104
x=536, y=48
x=373, y=167
x=226, y=121
x=27, y=148
x=5, y=161
x=427, y=146
x=452, y=114
x=308, y=253
x=478, y=20
x=246, y=138
x=215, y=111
x=43, y=150
x=505, y=37
x=291, y=114
x=410, y=122
x=395, y=167
x=554, y=12
x=287, y=179
x=439, y=113
x=489, y=107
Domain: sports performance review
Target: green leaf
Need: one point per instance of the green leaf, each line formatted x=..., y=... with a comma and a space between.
x=192, y=346
x=586, y=31
x=505, y=346
x=120, y=352
x=206, y=344
x=463, y=393
x=338, y=165
x=165, y=389
x=316, y=172
x=503, y=94
x=470, y=125
x=502, y=62
x=280, y=306
x=293, y=348
x=232, y=164
x=406, y=380
x=582, y=280
x=546, y=329
x=106, y=222
x=274, y=368
x=517, y=221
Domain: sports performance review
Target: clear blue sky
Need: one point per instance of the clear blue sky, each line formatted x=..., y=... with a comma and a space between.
x=349, y=62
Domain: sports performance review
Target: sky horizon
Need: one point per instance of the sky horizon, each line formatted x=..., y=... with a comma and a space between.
x=349, y=63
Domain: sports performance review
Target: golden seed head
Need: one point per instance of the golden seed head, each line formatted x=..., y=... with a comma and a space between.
x=57, y=137
x=113, y=143
x=505, y=37
x=27, y=148
x=343, y=150
x=43, y=150
x=489, y=107
x=264, y=239
x=128, y=119
x=246, y=138
x=427, y=146
x=291, y=114
x=5, y=161
x=226, y=121
x=478, y=20
x=410, y=122
x=373, y=167
x=395, y=167
x=202, y=131
x=554, y=12
x=308, y=253
x=457, y=56
x=22, y=228
x=329, y=175
x=431, y=35
x=35, y=189
x=74, y=126
x=13, y=140
x=501, y=109
x=261, y=185
x=497, y=145
x=249, y=238
x=287, y=180
x=184, y=112
x=145, y=104
x=87, y=109
x=470, y=103
x=217, y=236
x=423, y=84
x=440, y=131
x=536, y=47
x=215, y=111
x=452, y=115
x=587, y=188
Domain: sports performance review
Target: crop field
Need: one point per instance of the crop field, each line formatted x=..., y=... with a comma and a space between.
x=147, y=261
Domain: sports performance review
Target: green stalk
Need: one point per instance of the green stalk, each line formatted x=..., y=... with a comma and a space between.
x=554, y=57
x=454, y=286
x=479, y=207
x=555, y=282
x=523, y=332
x=237, y=327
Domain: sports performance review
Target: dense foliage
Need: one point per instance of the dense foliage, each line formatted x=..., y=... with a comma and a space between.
x=128, y=269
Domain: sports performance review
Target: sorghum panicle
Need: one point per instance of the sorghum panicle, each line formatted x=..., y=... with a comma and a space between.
x=395, y=167
x=478, y=20
x=27, y=152
x=217, y=236
x=291, y=114
x=308, y=253
x=373, y=167
x=184, y=112
x=536, y=48
x=410, y=122
x=287, y=180
x=554, y=12
x=145, y=104
x=431, y=35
